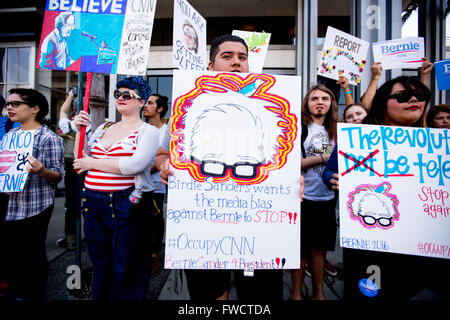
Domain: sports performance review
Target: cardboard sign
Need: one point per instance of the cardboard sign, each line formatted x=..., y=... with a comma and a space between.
x=258, y=44
x=15, y=148
x=97, y=36
x=394, y=189
x=189, y=37
x=442, y=74
x=343, y=55
x=233, y=201
x=399, y=53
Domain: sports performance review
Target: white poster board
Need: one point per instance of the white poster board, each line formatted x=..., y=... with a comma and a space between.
x=189, y=37
x=343, y=55
x=15, y=148
x=233, y=201
x=394, y=186
x=258, y=44
x=399, y=53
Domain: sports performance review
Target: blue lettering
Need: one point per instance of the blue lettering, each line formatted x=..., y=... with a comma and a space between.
x=4, y=141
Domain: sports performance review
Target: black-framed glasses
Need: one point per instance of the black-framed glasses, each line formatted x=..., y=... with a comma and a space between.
x=15, y=104
x=240, y=170
x=369, y=220
x=126, y=95
x=405, y=96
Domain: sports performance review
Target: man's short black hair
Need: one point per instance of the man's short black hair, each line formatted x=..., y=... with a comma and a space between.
x=219, y=40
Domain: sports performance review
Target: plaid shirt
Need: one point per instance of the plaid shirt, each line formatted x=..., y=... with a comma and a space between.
x=38, y=194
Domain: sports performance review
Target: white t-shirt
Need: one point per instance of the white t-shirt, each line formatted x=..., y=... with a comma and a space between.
x=316, y=143
x=159, y=186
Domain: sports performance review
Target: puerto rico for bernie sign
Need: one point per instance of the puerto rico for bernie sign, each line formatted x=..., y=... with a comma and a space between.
x=394, y=189
x=189, y=37
x=15, y=148
x=104, y=36
x=343, y=55
x=233, y=201
x=399, y=53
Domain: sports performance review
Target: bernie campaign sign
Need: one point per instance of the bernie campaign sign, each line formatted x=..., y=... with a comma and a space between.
x=343, y=55
x=104, y=36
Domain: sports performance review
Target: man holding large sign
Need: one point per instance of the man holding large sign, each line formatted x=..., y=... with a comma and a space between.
x=243, y=216
x=393, y=183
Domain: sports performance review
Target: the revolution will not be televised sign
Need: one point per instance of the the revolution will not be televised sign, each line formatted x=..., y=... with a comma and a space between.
x=103, y=36
x=343, y=55
x=394, y=189
x=233, y=201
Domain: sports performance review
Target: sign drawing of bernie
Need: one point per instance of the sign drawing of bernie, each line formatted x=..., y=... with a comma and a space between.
x=233, y=200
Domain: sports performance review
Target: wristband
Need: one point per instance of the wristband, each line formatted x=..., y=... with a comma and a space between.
x=348, y=92
x=321, y=158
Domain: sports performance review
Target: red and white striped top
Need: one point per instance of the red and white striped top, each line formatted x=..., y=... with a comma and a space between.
x=106, y=181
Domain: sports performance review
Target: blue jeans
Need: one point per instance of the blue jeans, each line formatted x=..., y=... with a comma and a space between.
x=119, y=244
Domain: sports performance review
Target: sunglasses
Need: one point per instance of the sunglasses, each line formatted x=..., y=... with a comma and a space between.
x=126, y=95
x=15, y=104
x=405, y=96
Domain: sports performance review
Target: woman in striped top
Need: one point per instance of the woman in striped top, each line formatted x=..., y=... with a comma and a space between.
x=117, y=190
